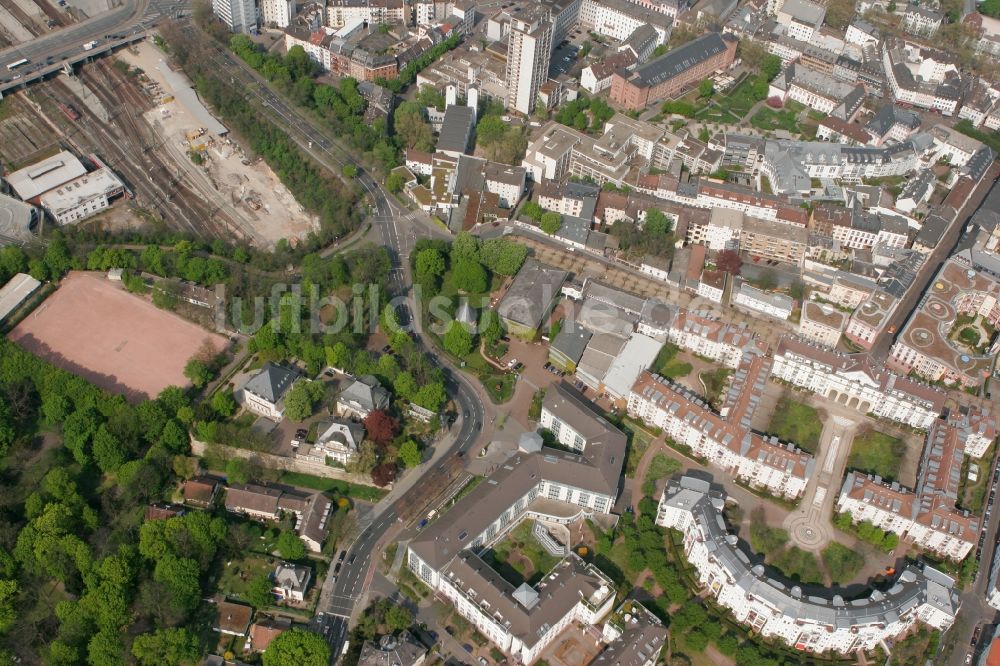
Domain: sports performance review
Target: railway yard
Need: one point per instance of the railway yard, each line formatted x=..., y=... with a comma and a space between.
x=22, y=20
x=174, y=170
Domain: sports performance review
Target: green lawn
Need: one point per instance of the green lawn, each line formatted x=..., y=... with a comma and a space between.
x=768, y=120
x=740, y=100
x=519, y=558
x=660, y=466
x=876, y=453
x=841, y=562
x=796, y=422
x=763, y=538
x=237, y=576
x=322, y=484
x=667, y=364
x=798, y=564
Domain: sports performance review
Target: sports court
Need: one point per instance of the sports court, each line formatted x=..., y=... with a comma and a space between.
x=120, y=342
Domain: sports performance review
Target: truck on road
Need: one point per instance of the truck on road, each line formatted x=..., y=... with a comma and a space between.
x=89, y=45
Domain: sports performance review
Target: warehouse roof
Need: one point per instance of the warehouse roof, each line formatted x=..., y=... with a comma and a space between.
x=46, y=175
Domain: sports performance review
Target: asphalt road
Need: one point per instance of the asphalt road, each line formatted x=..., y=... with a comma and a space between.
x=883, y=343
x=133, y=17
x=396, y=228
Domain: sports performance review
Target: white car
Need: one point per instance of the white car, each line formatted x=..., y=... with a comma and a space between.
x=511, y=363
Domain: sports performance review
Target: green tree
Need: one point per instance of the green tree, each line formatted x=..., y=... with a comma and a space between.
x=502, y=256
x=492, y=328
x=167, y=647
x=109, y=454
x=429, y=266
x=657, y=222
x=198, y=372
x=490, y=129
x=706, y=88
x=532, y=210
x=8, y=610
x=290, y=546
x=397, y=618
x=296, y=647
x=770, y=67
x=179, y=577
x=394, y=182
x=465, y=246
x=457, y=340
x=224, y=403
x=8, y=431
x=410, y=126
x=237, y=471
x=550, y=223
x=468, y=275
x=259, y=592
x=350, y=171
x=409, y=453
x=302, y=399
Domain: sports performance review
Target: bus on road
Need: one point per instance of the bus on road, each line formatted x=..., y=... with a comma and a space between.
x=17, y=63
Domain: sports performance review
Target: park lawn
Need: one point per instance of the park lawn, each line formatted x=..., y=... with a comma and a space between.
x=798, y=564
x=660, y=466
x=841, y=562
x=877, y=453
x=768, y=120
x=522, y=542
x=796, y=422
x=740, y=100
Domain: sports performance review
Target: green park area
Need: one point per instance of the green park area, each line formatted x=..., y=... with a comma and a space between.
x=875, y=452
x=769, y=120
x=796, y=422
x=772, y=542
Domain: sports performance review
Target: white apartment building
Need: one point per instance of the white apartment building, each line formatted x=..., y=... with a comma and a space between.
x=712, y=338
x=345, y=12
x=814, y=622
x=821, y=324
x=277, y=13
x=446, y=554
x=529, y=48
x=722, y=232
x=861, y=33
x=238, y=15
x=801, y=19
x=724, y=440
x=953, y=145
x=618, y=19
x=921, y=21
x=852, y=380
x=922, y=77
x=929, y=521
x=712, y=286
x=778, y=306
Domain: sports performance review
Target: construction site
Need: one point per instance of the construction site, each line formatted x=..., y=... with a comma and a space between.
x=146, y=122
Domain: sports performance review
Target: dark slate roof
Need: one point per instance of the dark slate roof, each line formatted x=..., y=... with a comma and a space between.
x=679, y=60
x=456, y=129
x=272, y=382
x=979, y=163
x=572, y=341
x=889, y=115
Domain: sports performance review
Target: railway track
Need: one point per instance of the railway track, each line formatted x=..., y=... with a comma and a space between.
x=129, y=146
x=26, y=21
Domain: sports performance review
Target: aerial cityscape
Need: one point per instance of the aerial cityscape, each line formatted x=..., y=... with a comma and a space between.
x=499, y=332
